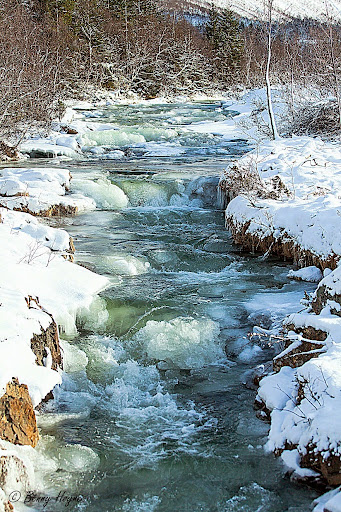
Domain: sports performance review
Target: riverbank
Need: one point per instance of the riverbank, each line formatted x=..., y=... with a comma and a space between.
x=42, y=293
x=284, y=199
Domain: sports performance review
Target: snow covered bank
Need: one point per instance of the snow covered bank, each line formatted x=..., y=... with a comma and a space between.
x=284, y=198
x=39, y=288
x=40, y=191
x=37, y=278
x=303, y=396
x=288, y=200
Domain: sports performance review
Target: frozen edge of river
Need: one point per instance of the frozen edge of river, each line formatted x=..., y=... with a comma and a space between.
x=283, y=199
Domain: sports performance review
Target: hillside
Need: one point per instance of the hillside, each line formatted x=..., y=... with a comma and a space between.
x=255, y=8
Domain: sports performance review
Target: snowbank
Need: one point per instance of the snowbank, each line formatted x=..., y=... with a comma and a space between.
x=284, y=198
x=40, y=191
x=33, y=263
x=289, y=196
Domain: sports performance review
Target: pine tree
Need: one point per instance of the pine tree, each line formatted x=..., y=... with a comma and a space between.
x=132, y=8
x=59, y=9
x=223, y=34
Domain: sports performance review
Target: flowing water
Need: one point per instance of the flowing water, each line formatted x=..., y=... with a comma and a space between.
x=153, y=414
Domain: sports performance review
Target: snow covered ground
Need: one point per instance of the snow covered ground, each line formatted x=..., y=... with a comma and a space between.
x=33, y=263
x=288, y=201
x=40, y=191
x=257, y=10
x=293, y=194
x=38, y=284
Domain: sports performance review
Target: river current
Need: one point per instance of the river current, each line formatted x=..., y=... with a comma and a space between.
x=153, y=413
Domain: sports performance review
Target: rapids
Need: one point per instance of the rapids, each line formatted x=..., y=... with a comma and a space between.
x=153, y=413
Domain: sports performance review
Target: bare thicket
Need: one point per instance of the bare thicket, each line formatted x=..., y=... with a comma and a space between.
x=53, y=49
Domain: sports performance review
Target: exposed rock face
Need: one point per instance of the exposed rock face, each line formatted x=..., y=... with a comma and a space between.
x=323, y=294
x=18, y=423
x=262, y=412
x=7, y=152
x=8, y=507
x=68, y=130
x=296, y=355
x=48, y=339
x=309, y=333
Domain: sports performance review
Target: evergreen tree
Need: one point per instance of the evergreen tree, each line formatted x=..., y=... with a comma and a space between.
x=224, y=35
x=59, y=9
x=132, y=8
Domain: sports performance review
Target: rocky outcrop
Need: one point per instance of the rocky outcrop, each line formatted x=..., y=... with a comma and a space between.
x=322, y=296
x=8, y=152
x=45, y=344
x=262, y=412
x=297, y=355
x=48, y=339
x=18, y=423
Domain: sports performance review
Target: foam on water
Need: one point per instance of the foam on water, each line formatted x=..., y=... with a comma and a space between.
x=182, y=342
x=147, y=504
x=148, y=422
x=252, y=498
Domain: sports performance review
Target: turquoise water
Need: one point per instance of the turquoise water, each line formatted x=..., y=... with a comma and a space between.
x=154, y=413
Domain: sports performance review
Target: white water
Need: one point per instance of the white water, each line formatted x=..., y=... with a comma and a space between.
x=153, y=414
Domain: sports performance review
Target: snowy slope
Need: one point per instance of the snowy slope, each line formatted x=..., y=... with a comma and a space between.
x=255, y=8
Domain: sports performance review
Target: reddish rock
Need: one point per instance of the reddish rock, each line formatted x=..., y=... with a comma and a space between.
x=18, y=423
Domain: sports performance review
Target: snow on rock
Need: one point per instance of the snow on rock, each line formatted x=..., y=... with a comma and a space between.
x=19, y=323
x=305, y=399
x=42, y=148
x=288, y=197
x=40, y=191
x=285, y=199
x=310, y=274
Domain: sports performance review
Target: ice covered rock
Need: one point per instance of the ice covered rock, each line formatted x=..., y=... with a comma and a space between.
x=310, y=274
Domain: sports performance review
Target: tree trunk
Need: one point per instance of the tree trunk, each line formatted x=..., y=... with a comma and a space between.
x=273, y=126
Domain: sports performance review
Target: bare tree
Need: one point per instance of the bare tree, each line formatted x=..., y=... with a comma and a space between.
x=269, y=11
